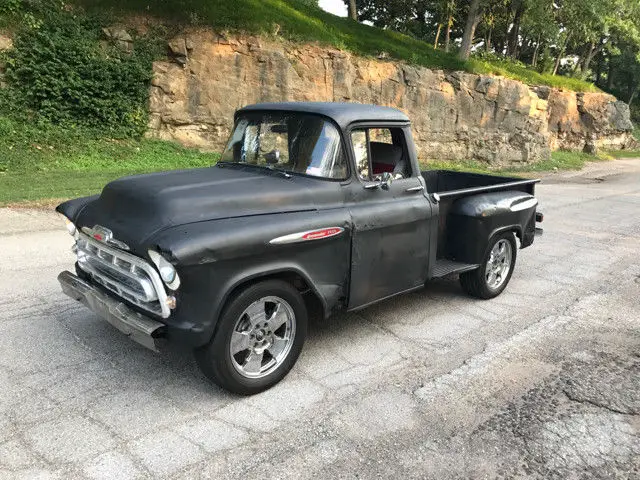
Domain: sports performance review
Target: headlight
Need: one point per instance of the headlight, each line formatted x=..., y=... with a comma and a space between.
x=71, y=228
x=167, y=271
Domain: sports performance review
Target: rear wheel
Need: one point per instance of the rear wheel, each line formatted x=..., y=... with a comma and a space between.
x=259, y=338
x=492, y=277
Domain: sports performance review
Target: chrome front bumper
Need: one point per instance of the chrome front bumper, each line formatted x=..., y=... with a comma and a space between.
x=141, y=329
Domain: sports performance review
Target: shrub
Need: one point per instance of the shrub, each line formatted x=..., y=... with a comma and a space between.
x=63, y=72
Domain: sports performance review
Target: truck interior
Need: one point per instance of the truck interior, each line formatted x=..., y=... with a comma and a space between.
x=387, y=149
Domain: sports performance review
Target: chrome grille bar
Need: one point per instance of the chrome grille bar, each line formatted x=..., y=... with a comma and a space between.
x=126, y=275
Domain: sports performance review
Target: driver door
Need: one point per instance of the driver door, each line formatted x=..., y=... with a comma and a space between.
x=391, y=220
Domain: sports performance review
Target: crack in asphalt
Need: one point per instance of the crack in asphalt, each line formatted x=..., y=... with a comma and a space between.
x=597, y=404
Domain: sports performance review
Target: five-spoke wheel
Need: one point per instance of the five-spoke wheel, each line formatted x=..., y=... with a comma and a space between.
x=262, y=337
x=491, y=278
x=498, y=264
x=258, y=339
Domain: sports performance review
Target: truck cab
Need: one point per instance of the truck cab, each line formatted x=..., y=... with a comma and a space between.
x=311, y=204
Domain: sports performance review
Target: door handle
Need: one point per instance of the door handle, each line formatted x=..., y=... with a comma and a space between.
x=419, y=188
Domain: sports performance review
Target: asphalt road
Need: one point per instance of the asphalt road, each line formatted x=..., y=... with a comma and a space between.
x=543, y=381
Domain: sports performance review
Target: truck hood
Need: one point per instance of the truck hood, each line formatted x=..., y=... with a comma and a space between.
x=137, y=207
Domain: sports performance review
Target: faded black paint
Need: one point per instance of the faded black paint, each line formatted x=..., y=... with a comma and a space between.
x=215, y=225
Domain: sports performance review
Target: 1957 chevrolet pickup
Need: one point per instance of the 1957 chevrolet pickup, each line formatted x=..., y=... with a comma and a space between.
x=317, y=205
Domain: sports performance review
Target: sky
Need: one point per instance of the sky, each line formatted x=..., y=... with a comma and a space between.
x=337, y=7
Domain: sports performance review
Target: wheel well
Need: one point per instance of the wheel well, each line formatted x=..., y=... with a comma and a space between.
x=311, y=299
x=513, y=229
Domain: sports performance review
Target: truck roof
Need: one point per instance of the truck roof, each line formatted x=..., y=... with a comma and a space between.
x=341, y=113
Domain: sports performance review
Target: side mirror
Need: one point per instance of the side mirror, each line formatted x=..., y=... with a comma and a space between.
x=272, y=157
x=386, y=180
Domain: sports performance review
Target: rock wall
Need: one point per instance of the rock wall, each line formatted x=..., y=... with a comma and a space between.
x=455, y=115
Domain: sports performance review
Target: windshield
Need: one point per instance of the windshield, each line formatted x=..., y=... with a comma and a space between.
x=297, y=143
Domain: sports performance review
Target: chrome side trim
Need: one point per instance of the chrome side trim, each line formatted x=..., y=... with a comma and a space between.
x=142, y=272
x=306, y=236
x=532, y=202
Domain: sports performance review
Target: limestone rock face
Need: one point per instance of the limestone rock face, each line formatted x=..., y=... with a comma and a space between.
x=455, y=115
x=119, y=36
x=6, y=43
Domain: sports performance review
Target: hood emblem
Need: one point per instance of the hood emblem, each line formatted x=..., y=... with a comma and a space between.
x=104, y=235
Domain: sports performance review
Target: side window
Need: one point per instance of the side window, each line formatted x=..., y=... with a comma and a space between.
x=359, y=141
x=380, y=150
x=389, y=152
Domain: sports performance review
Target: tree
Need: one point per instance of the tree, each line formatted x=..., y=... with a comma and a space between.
x=518, y=7
x=541, y=26
x=622, y=52
x=352, y=10
x=474, y=15
x=450, y=11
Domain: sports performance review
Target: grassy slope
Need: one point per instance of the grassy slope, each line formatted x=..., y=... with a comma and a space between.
x=40, y=164
x=560, y=160
x=63, y=164
x=301, y=23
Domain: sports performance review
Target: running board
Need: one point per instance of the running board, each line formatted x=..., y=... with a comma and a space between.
x=444, y=267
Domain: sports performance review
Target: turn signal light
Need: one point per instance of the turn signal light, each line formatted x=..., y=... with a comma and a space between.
x=171, y=302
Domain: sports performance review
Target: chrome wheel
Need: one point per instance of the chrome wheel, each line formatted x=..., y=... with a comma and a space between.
x=498, y=264
x=262, y=337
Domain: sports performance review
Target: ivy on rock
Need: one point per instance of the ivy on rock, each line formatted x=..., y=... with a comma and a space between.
x=67, y=71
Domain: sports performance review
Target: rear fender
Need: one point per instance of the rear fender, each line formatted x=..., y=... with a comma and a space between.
x=473, y=221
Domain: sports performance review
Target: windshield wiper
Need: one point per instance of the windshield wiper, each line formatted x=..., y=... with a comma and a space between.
x=284, y=173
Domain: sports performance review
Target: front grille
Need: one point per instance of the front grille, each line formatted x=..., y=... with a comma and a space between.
x=126, y=275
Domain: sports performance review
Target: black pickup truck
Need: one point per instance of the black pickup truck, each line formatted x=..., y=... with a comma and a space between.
x=312, y=205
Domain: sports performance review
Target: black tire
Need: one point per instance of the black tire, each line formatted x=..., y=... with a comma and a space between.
x=215, y=359
x=475, y=282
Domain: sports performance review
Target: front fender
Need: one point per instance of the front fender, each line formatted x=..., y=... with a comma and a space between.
x=72, y=208
x=214, y=258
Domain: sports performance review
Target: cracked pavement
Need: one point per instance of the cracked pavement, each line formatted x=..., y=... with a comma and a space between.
x=543, y=381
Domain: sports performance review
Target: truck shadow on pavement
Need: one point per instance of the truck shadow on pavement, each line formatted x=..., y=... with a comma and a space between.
x=364, y=339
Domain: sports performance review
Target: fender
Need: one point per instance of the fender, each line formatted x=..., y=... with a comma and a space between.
x=328, y=295
x=72, y=208
x=214, y=258
x=483, y=216
x=210, y=286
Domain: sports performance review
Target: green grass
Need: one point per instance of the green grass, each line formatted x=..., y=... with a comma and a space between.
x=35, y=173
x=560, y=160
x=39, y=164
x=634, y=153
x=65, y=164
x=459, y=166
x=625, y=154
x=527, y=75
x=297, y=22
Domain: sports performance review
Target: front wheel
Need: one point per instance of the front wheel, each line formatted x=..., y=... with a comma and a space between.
x=493, y=275
x=258, y=340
